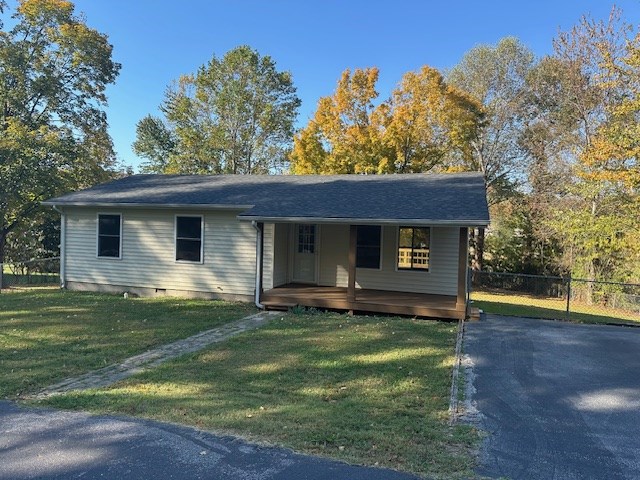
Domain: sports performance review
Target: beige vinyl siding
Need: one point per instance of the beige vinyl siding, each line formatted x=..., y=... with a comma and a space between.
x=281, y=254
x=148, y=252
x=441, y=278
x=334, y=255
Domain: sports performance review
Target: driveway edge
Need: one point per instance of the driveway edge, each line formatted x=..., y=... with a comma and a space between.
x=455, y=373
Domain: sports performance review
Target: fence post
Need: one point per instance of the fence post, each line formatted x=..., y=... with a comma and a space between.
x=568, y=314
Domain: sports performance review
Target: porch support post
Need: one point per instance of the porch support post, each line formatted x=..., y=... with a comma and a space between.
x=259, y=226
x=351, y=286
x=463, y=256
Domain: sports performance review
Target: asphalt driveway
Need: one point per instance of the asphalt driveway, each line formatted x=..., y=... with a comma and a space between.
x=557, y=400
x=49, y=444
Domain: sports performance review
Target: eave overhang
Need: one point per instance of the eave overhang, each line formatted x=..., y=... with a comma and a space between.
x=367, y=221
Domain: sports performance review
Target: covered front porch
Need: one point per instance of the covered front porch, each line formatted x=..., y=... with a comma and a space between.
x=390, y=268
x=366, y=300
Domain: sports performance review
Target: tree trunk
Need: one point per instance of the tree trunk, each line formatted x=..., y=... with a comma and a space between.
x=588, y=286
x=478, y=250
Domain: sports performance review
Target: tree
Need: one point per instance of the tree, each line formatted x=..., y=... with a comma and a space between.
x=496, y=76
x=424, y=122
x=155, y=142
x=344, y=135
x=585, y=117
x=54, y=70
x=235, y=115
x=429, y=121
x=607, y=168
x=612, y=154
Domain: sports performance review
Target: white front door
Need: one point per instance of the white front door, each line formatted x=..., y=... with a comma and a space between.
x=304, y=255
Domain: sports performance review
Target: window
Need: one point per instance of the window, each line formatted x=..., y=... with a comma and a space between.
x=189, y=239
x=109, y=235
x=306, y=238
x=413, y=248
x=368, y=246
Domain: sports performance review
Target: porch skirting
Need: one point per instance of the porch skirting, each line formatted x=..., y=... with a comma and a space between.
x=374, y=301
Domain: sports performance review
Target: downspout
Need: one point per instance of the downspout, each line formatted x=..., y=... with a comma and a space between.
x=63, y=242
x=258, y=227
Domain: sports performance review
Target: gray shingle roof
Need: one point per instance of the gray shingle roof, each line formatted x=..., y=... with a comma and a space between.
x=425, y=198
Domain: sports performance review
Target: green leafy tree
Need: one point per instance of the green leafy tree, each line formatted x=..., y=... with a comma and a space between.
x=234, y=115
x=496, y=76
x=155, y=142
x=584, y=119
x=54, y=70
x=603, y=240
x=515, y=244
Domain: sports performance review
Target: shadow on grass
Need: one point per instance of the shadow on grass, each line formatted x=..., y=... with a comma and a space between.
x=47, y=335
x=364, y=389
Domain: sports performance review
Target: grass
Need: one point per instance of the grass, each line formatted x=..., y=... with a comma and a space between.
x=507, y=303
x=47, y=334
x=367, y=390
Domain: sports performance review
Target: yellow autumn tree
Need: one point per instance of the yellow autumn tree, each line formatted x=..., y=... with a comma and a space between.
x=424, y=124
x=342, y=136
x=610, y=164
x=429, y=122
x=613, y=152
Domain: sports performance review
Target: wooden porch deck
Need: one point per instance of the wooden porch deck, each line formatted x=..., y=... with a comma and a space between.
x=375, y=301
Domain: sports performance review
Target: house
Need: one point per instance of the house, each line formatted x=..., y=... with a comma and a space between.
x=376, y=243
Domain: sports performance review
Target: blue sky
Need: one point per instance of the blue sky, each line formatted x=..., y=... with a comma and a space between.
x=158, y=40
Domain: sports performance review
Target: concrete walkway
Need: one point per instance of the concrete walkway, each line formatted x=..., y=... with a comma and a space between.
x=113, y=373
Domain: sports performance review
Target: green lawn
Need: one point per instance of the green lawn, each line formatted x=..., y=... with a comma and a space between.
x=507, y=303
x=363, y=389
x=47, y=334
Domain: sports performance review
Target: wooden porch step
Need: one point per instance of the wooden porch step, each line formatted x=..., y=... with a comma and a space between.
x=277, y=305
x=474, y=313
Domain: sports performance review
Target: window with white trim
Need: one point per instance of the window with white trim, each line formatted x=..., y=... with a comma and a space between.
x=413, y=248
x=189, y=238
x=109, y=235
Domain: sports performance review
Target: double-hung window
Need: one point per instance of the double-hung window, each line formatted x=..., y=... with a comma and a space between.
x=109, y=235
x=368, y=246
x=413, y=248
x=189, y=238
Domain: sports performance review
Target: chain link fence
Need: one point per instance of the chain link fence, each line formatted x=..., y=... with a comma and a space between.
x=563, y=298
x=43, y=271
